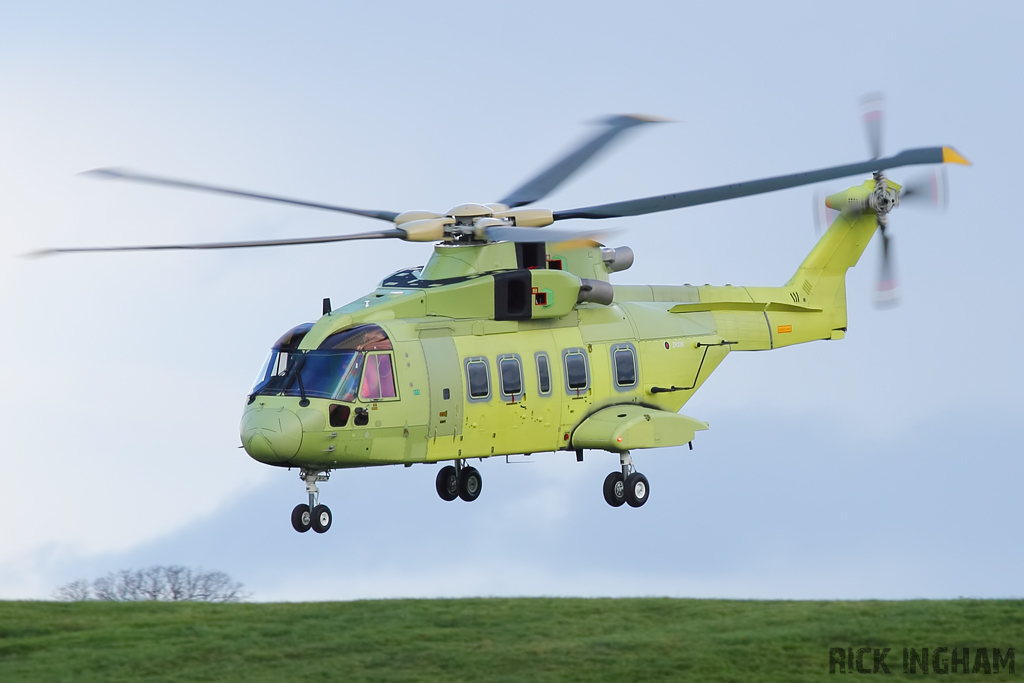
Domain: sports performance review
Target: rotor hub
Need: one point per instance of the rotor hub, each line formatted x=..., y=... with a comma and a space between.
x=883, y=198
x=466, y=214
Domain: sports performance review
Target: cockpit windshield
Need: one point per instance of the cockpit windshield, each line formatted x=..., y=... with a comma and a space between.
x=332, y=371
x=277, y=364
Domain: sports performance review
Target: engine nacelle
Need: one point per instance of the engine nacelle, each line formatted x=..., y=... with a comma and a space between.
x=617, y=259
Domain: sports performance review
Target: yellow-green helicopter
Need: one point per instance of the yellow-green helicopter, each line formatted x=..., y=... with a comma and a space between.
x=511, y=339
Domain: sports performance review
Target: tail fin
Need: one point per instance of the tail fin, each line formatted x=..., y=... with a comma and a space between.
x=821, y=278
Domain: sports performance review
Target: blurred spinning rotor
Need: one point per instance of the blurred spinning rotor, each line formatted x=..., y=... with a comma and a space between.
x=881, y=196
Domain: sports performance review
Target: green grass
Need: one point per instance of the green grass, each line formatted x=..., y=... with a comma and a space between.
x=482, y=639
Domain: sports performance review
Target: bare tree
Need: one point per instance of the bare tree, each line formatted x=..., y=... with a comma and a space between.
x=173, y=583
x=76, y=591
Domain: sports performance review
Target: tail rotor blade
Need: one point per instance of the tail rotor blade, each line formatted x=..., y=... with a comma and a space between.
x=873, y=114
x=887, y=287
x=823, y=214
x=930, y=189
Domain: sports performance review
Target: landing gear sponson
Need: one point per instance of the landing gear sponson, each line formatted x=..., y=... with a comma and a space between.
x=312, y=516
x=459, y=481
x=627, y=486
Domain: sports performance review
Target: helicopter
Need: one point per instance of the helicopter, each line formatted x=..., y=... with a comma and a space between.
x=512, y=340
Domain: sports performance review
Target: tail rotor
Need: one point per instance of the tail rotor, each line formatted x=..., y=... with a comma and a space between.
x=880, y=196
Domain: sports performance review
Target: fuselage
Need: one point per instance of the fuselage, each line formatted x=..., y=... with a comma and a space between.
x=466, y=389
x=466, y=359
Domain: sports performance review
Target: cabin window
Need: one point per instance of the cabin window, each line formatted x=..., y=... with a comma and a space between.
x=577, y=379
x=511, y=370
x=543, y=374
x=478, y=379
x=624, y=365
x=378, y=378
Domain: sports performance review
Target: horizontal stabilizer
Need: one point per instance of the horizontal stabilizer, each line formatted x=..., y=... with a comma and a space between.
x=700, y=307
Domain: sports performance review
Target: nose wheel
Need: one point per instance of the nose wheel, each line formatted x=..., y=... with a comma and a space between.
x=313, y=515
x=627, y=486
x=459, y=481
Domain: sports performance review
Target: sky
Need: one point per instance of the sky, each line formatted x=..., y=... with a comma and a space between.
x=887, y=465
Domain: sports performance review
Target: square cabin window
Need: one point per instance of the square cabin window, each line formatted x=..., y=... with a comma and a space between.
x=511, y=371
x=478, y=379
x=576, y=379
x=625, y=367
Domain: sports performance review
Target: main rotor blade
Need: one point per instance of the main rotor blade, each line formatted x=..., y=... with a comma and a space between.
x=679, y=200
x=497, y=233
x=383, y=234
x=119, y=174
x=547, y=180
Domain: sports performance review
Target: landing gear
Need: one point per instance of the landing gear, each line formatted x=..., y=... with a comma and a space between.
x=312, y=516
x=637, y=489
x=459, y=481
x=614, y=489
x=627, y=486
x=447, y=483
x=321, y=521
x=470, y=484
x=301, y=519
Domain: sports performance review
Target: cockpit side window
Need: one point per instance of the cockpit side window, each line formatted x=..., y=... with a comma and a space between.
x=378, y=378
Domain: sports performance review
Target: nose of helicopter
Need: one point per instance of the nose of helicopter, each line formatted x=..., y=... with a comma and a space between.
x=271, y=435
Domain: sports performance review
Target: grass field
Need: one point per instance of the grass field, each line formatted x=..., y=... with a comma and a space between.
x=485, y=639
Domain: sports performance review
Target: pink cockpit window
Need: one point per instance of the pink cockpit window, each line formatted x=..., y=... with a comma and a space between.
x=378, y=378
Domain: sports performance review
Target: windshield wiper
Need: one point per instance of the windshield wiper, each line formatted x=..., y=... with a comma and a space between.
x=297, y=369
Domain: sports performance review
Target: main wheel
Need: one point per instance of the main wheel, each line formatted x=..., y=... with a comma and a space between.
x=301, y=518
x=637, y=489
x=614, y=490
x=321, y=521
x=470, y=484
x=447, y=483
